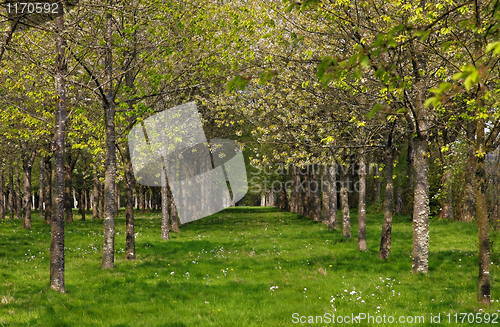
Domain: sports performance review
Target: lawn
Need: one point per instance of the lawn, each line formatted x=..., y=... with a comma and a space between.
x=240, y=267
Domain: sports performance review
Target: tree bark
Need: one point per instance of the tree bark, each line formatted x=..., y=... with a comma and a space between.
x=12, y=199
x=385, y=240
x=57, y=234
x=165, y=235
x=68, y=177
x=2, y=197
x=316, y=202
x=48, y=190
x=19, y=196
x=27, y=169
x=484, y=283
x=81, y=204
x=332, y=219
x=344, y=203
x=42, y=200
x=469, y=205
x=420, y=253
x=129, y=205
x=108, y=247
x=362, y=246
x=173, y=213
x=377, y=183
x=325, y=194
x=96, y=196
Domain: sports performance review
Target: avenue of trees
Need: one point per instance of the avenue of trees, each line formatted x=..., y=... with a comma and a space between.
x=379, y=106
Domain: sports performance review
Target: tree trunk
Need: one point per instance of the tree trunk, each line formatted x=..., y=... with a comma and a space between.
x=484, y=282
x=108, y=247
x=48, y=190
x=19, y=196
x=316, y=202
x=385, y=240
x=325, y=194
x=87, y=201
x=377, y=182
x=129, y=205
x=344, y=203
x=447, y=200
x=57, y=234
x=27, y=168
x=2, y=197
x=96, y=197
x=420, y=253
x=12, y=201
x=332, y=219
x=41, y=200
x=362, y=246
x=399, y=200
x=173, y=213
x=68, y=181
x=164, y=205
x=469, y=206
x=81, y=204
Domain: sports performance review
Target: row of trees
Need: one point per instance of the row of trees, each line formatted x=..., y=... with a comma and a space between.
x=410, y=86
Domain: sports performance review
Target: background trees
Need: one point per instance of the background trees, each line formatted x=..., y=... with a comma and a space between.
x=328, y=90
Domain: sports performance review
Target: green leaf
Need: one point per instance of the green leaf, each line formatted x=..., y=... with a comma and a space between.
x=238, y=82
x=324, y=65
x=376, y=108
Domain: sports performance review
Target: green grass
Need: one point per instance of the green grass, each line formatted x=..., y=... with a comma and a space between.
x=221, y=270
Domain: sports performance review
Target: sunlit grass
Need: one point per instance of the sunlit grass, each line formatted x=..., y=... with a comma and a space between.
x=241, y=267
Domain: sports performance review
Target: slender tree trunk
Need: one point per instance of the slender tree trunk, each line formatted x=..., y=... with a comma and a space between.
x=42, y=200
x=68, y=181
x=12, y=201
x=81, y=204
x=117, y=198
x=377, y=182
x=164, y=205
x=316, y=203
x=173, y=214
x=325, y=194
x=447, y=200
x=362, y=246
x=101, y=201
x=108, y=247
x=87, y=201
x=57, y=235
x=2, y=197
x=48, y=190
x=305, y=195
x=469, y=206
x=129, y=181
x=385, y=240
x=344, y=202
x=19, y=196
x=143, y=199
x=27, y=168
x=484, y=284
x=332, y=219
x=129, y=205
x=96, y=196
x=399, y=200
